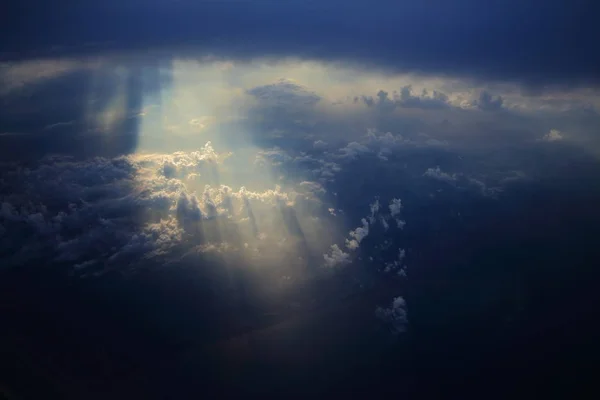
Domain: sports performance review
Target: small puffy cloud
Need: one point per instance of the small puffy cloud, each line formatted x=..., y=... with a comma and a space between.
x=437, y=173
x=284, y=92
x=553, y=136
x=395, y=207
x=336, y=257
x=352, y=150
x=395, y=316
x=358, y=235
x=374, y=210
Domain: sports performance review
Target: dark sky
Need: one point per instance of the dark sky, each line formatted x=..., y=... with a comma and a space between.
x=532, y=41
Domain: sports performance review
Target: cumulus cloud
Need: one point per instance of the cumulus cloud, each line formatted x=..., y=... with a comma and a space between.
x=188, y=210
x=336, y=257
x=488, y=102
x=407, y=99
x=395, y=207
x=358, y=235
x=286, y=93
x=425, y=100
x=395, y=315
x=397, y=265
x=353, y=150
x=553, y=136
x=103, y=212
x=437, y=173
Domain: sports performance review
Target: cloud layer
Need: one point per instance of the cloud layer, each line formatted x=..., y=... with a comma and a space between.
x=524, y=40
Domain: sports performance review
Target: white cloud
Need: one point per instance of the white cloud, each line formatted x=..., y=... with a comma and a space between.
x=437, y=173
x=358, y=235
x=352, y=150
x=553, y=136
x=336, y=257
x=395, y=207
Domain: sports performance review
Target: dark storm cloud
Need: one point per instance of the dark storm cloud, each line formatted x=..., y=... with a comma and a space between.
x=531, y=41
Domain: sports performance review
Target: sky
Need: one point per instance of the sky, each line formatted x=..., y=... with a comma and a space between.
x=297, y=197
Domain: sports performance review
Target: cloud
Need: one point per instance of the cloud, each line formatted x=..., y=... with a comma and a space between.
x=352, y=151
x=312, y=187
x=397, y=265
x=553, y=136
x=406, y=99
x=465, y=38
x=188, y=211
x=395, y=207
x=336, y=257
x=488, y=102
x=320, y=144
x=395, y=316
x=273, y=157
x=437, y=173
x=358, y=235
x=286, y=93
x=105, y=213
x=374, y=210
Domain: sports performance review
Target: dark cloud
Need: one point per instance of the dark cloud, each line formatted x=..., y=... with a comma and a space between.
x=406, y=99
x=488, y=102
x=284, y=93
x=532, y=41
